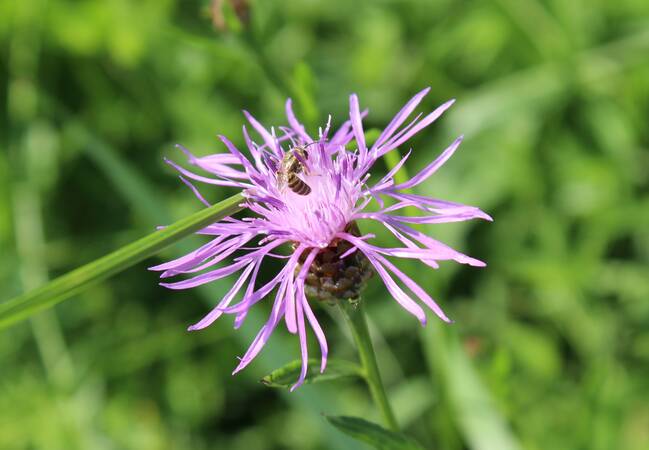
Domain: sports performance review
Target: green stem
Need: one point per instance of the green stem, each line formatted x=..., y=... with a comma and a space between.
x=255, y=47
x=79, y=279
x=355, y=316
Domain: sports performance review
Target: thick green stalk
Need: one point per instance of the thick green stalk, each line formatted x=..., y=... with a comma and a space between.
x=355, y=316
x=79, y=279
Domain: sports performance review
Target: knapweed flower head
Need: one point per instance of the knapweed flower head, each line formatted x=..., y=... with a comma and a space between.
x=308, y=194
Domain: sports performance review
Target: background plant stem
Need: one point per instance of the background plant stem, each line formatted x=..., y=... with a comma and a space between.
x=79, y=279
x=355, y=316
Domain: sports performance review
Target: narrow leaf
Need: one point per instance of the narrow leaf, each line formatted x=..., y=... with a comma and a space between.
x=79, y=279
x=285, y=377
x=373, y=434
x=474, y=410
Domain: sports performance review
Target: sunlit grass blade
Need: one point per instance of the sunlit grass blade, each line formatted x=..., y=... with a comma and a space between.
x=475, y=412
x=76, y=281
x=373, y=434
x=285, y=376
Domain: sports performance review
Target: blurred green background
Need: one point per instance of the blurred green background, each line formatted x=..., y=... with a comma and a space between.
x=550, y=349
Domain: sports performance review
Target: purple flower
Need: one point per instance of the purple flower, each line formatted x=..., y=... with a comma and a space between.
x=329, y=259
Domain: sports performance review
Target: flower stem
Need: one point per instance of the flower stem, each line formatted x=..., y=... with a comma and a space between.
x=355, y=316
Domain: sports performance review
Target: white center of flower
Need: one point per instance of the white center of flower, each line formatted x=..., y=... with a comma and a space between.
x=315, y=218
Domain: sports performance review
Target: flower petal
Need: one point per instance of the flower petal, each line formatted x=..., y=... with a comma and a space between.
x=295, y=124
x=216, y=312
x=432, y=167
x=430, y=118
x=269, y=139
x=400, y=117
x=357, y=126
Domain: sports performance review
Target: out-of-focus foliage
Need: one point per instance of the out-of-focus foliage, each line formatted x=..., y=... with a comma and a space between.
x=553, y=97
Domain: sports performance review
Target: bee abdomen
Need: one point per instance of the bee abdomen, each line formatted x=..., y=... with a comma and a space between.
x=298, y=186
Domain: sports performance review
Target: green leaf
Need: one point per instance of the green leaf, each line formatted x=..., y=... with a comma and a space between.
x=373, y=434
x=285, y=376
x=76, y=281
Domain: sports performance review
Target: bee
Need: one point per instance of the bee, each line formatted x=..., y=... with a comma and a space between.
x=292, y=165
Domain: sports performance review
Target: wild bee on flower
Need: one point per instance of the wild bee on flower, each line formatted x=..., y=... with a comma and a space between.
x=293, y=163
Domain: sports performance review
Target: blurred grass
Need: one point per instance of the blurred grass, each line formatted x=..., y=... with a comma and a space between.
x=553, y=98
